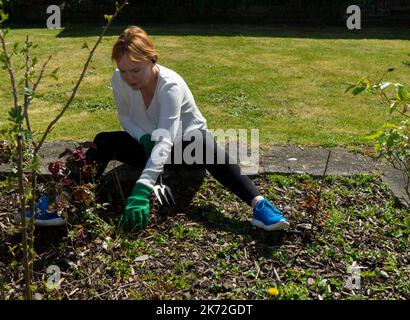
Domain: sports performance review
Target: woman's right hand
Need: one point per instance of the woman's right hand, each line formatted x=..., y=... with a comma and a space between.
x=136, y=213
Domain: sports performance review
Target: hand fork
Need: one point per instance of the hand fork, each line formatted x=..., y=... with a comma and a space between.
x=163, y=190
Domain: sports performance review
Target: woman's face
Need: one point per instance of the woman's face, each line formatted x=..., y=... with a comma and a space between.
x=136, y=74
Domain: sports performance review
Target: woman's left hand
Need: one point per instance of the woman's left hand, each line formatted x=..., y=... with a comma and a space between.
x=147, y=143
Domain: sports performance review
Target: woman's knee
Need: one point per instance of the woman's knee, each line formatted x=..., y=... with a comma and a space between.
x=101, y=138
x=104, y=145
x=112, y=138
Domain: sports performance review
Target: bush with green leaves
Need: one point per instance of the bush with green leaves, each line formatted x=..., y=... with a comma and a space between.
x=392, y=141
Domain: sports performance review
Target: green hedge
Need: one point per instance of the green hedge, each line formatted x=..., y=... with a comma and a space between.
x=288, y=11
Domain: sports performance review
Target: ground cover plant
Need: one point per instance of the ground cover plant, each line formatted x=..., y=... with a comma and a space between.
x=210, y=250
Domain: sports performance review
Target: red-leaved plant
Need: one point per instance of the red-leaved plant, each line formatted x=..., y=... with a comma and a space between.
x=73, y=183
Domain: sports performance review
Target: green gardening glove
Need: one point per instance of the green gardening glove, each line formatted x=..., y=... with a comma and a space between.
x=147, y=143
x=136, y=213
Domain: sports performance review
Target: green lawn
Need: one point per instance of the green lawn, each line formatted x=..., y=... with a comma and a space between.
x=288, y=82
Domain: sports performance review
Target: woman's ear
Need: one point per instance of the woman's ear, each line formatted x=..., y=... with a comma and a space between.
x=154, y=60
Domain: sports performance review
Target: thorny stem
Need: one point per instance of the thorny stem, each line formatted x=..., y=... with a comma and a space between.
x=31, y=223
x=305, y=233
x=10, y=69
x=27, y=279
x=27, y=100
x=319, y=196
x=404, y=169
x=33, y=181
x=26, y=97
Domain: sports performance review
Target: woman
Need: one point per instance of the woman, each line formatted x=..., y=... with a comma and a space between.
x=150, y=97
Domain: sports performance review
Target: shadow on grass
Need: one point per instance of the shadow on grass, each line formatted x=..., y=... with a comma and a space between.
x=234, y=30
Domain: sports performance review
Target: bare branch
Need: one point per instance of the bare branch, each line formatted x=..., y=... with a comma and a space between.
x=26, y=75
x=74, y=92
x=386, y=99
x=41, y=75
x=27, y=102
x=388, y=103
x=403, y=114
x=10, y=69
x=28, y=292
x=319, y=196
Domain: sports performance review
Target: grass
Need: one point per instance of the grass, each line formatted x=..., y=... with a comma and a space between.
x=288, y=82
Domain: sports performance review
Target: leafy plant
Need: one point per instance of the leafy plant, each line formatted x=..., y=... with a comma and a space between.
x=19, y=134
x=392, y=142
x=73, y=181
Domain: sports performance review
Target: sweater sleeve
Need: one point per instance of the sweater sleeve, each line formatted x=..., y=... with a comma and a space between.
x=170, y=99
x=123, y=114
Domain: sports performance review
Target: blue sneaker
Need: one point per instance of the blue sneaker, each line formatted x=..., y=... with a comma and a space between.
x=267, y=217
x=41, y=217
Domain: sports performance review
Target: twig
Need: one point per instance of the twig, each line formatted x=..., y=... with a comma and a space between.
x=27, y=279
x=297, y=253
x=306, y=232
x=74, y=92
x=2, y=290
x=72, y=292
x=41, y=74
x=10, y=69
x=258, y=269
x=384, y=74
x=26, y=71
x=276, y=274
x=32, y=202
x=320, y=194
x=149, y=288
x=117, y=288
x=26, y=104
x=388, y=103
x=31, y=223
x=33, y=179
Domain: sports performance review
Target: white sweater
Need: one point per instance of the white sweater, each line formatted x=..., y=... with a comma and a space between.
x=172, y=105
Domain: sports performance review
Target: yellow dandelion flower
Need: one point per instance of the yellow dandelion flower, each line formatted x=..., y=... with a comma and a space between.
x=273, y=291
